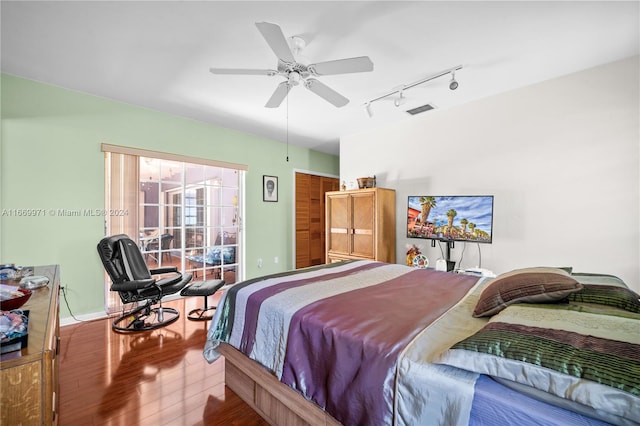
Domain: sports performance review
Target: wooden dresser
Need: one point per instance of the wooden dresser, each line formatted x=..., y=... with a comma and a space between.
x=361, y=224
x=29, y=377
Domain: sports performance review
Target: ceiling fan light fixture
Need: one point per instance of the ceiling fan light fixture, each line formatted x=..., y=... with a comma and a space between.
x=297, y=43
x=294, y=78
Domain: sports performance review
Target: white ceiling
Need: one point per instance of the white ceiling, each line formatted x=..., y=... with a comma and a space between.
x=157, y=54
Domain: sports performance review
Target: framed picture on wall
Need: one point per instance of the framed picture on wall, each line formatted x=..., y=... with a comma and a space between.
x=270, y=188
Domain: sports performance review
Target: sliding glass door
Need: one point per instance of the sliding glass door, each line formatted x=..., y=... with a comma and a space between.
x=182, y=214
x=189, y=217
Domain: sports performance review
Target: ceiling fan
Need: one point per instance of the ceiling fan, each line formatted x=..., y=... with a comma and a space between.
x=295, y=71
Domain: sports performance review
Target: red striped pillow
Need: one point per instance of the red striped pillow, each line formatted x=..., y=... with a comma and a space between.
x=528, y=285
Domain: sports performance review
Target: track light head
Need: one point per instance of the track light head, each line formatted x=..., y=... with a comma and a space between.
x=453, y=84
x=401, y=99
x=369, y=110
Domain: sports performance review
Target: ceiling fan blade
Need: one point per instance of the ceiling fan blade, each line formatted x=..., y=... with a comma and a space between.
x=272, y=33
x=343, y=66
x=242, y=71
x=325, y=92
x=278, y=95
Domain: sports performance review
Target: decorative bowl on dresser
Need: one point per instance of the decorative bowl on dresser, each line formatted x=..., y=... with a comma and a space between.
x=15, y=302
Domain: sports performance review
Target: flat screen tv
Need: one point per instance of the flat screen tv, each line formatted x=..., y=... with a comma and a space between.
x=451, y=218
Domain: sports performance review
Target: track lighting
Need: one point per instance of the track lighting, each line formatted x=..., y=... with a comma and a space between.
x=453, y=84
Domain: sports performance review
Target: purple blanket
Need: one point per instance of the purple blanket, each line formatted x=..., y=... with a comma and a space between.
x=256, y=298
x=342, y=350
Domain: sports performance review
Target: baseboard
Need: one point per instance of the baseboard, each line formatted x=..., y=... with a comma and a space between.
x=70, y=320
x=82, y=318
x=76, y=319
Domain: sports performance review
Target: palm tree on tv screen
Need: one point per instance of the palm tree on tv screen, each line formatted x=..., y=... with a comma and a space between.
x=464, y=223
x=451, y=213
x=427, y=204
x=472, y=227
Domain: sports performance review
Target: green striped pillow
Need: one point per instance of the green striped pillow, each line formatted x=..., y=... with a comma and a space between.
x=600, y=360
x=608, y=295
x=578, y=355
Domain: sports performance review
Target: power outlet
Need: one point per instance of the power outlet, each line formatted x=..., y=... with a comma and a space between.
x=260, y=263
x=276, y=260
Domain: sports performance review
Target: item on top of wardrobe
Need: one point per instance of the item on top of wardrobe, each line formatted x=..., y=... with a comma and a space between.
x=367, y=182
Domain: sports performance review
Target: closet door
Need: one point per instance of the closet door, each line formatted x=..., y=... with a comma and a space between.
x=303, y=255
x=310, y=218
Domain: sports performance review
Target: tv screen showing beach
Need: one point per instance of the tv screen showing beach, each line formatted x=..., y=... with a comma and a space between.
x=451, y=218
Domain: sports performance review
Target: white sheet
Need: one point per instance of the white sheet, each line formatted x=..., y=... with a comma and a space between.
x=437, y=394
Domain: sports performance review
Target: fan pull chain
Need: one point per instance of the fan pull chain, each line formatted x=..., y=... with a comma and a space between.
x=287, y=129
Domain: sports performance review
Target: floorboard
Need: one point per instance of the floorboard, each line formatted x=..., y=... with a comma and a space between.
x=150, y=378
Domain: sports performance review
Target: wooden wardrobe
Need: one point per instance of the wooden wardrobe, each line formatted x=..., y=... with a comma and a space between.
x=361, y=224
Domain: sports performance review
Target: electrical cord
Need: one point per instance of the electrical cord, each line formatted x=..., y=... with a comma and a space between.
x=64, y=295
x=464, y=247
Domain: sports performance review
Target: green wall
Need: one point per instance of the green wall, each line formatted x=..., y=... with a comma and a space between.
x=50, y=158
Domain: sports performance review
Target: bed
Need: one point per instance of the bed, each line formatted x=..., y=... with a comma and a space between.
x=370, y=343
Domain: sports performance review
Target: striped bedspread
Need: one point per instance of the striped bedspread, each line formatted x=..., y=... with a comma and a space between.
x=336, y=333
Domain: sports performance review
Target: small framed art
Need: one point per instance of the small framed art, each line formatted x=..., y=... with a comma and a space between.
x=269, y=188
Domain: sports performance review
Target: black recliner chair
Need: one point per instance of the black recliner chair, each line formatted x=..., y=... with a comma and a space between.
x=134, y=282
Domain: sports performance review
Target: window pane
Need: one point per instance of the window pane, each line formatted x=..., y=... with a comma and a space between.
x=228, y=216
x=194, y=173
x=194, y=237
x=230, y=235
x=211, y=236
x=171, y=171
x=230, y=178
x=213, y=175
x=150, y=192
x=229, y=274
x=169, y=187
x=150, y=217
x=149, y=169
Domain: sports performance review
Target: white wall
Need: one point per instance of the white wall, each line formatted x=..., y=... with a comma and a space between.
x=561, y=158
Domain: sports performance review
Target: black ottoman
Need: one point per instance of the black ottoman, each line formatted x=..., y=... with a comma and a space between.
x=205, y=289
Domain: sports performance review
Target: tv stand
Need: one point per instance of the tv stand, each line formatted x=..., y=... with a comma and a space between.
x=449, y=244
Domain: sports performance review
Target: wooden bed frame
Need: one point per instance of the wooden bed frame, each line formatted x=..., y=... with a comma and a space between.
x=276, y=402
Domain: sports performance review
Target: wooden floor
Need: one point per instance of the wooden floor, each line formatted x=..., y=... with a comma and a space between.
x=150, y=378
